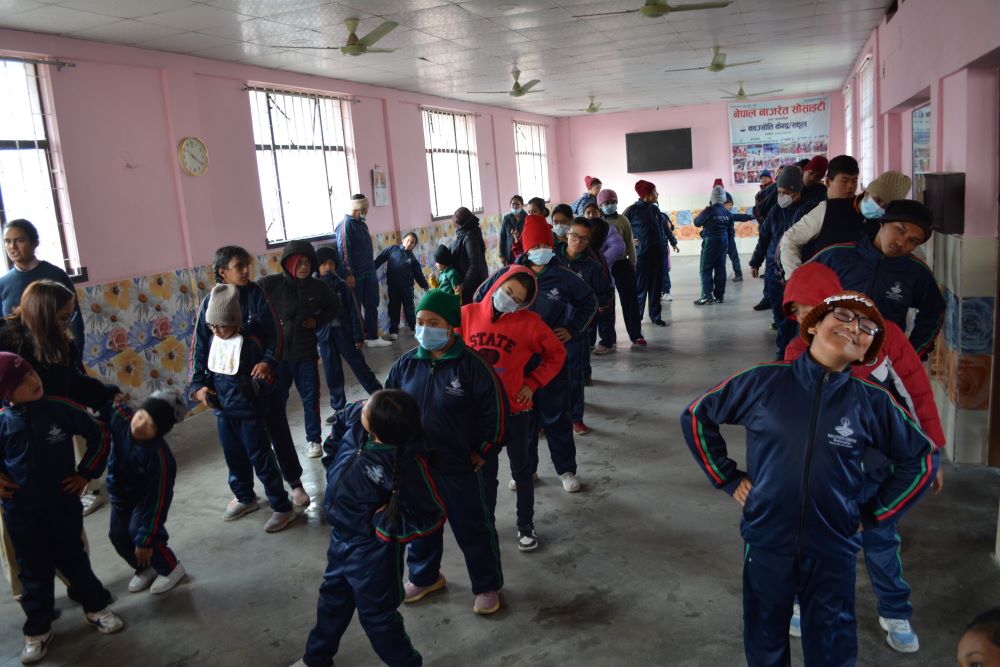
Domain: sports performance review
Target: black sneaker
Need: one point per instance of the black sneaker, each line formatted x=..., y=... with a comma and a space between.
x=763, y=305
x=659, y=323
x=704, y=301
x=332, y=418
x=719, y=299
x=737, y=279
x=527, y=540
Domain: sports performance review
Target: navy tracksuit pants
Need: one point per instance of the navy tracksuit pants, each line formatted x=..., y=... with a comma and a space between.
x=247, y=451
x=649, y=283
x=125, y=526
x=365, y=575
x=401, y=296
x=551, y=414
x=336, y=343
x=734, y=254
x=517, y=446
x=788, y=329
x=578, y=363
x=624, y=279
x=47, y=539
x=713, y=266
x=276, y=424
x=366, y=294
x=470, y=500
x=825, y=589
x=305, y=375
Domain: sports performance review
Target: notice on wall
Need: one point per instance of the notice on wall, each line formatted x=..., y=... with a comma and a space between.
x=766, y=135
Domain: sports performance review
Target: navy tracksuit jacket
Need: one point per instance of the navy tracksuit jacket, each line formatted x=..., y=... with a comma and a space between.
x=714, y=223
x=354, y=245
x=141, y=487
x=337, y=342
x=647, y=231
x=364, y=560
x=463, y=407
x=44, y=522
x=241, y=404
x=895, y=284
x=402, y=268
x=563, y=300
x=807, y=433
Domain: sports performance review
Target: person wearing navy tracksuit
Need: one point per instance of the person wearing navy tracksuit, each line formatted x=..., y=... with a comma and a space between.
x=357, y=263
x=714, y=223
x=809, y=423
x=647, y=230
x=568, y=306
x=462, y=408
x=402, y=268
x=732, y=251
x=364, y=559
x=340, y=339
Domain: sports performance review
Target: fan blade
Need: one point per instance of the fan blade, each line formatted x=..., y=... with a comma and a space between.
x=293, y=46
x=718, y=59
x=380, y=50
x=486, y=92
x=765, y=92
x=684, y=69
x=531, y=84
x=745, y=62
x=378, y=33
x=539, y=90
x=731, y=94
x=699, y=5
x=588, y=16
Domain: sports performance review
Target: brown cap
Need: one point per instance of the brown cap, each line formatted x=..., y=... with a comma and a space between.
x=855, y=301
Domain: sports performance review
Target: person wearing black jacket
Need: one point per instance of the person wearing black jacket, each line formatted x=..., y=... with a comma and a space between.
x=303, y=305
x=469, y=251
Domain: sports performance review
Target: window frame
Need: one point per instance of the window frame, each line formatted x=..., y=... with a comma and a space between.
x=471, y=158
x=541, y=157
x=849, y=119
x=867, y=112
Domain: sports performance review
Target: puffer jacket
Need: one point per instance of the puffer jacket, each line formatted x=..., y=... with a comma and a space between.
x=469, y=251
x=297, y=300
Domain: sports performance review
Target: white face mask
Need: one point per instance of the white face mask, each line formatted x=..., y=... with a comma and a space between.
x=503, y=302
x=784, y=201
x=560, y=230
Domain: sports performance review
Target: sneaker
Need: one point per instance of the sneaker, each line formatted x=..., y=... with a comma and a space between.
x=413, y=593
x=487, y=603
x=720, y=299
x=570, y=483
x=315, y=450
x=795, y=625
x=763, y=304
x=667, y=297
x=512, y=485
x=774, y=327
x=393, y=336
x=235, y=509
x=300, y=499
x=92, y=502
x=299, y=663
x=332, y=419
x=704, y=301
x=603, y=349
x=579, y=428
x=279, y=521
x=899, y=635
x=35, y=648
x=377, y=342
x=527, y=540
x=639, y=342
x=164, y=584
x=659, y=323
x=141, y=580
x=738, y=279
x=106, y=621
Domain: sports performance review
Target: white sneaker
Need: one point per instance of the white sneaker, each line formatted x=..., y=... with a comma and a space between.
x=91, y=502
x=315, y=450
x=393, y=336
x=795, y=625
x=299, y=663
x=141, y=580
x=512, y=485
x=164, y=584
x=106, y=621
x=377, y=342
x=899, y=635
x=667, y=297
x=570, y=483
x=35, y=648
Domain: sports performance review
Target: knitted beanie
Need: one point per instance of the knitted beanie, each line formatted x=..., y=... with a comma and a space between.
x=909, y=210
x=765, y=174
x=718, y=195
x=855, y=301
x=818, y=166
x=443, y=256
x=590, y=180
x=719, y=182
x=889, y=186
x=790, y=178
x=644, y=188
x=809, y=285
x=224, y=306
x=358, y=202
x=443, y=303
x=12, y=371
x=606, y=195
x=326, y=254
x=166, y=407
x=536, y=232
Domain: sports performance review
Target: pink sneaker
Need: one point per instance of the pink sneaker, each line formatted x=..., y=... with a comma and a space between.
x=603, y=349
x=487, y=603
x=413, y=593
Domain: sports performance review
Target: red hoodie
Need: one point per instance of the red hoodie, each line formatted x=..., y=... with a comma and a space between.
x=897, y=362
x=508, y=342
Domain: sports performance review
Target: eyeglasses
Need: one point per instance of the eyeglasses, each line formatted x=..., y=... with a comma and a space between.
x=577, y=237
x=865, y=325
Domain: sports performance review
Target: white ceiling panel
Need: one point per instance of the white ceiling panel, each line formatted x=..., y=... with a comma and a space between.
x=126, y=32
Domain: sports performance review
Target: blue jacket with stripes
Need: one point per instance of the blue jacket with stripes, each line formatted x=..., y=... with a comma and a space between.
x=807, y=432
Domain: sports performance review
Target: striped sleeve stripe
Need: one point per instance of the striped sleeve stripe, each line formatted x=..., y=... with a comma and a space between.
x=429, y=483
x=922, y=348
x=161, y=494
x=343, y=246
x=89, y=463
x=497, y=389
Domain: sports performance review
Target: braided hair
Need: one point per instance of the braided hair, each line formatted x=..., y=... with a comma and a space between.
x=394, y=419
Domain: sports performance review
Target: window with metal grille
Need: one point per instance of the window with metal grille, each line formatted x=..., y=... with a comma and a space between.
x=532, y=162
x=31, y=176
x=867, y=136
x=452, y=164
x=306, y=174
x=849, y=120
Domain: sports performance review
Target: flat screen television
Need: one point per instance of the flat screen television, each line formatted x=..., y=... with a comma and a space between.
x=665, y=150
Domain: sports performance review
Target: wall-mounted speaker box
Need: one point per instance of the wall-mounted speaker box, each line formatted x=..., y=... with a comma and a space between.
x=944, y=195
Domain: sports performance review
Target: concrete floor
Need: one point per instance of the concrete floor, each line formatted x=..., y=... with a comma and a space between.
x=641, y=568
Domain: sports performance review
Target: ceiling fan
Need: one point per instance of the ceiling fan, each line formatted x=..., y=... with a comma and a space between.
x=355, y=46
x=593, y=107
x=742, y=95
x=516, y=91
x=718, y=63
x=654, y=9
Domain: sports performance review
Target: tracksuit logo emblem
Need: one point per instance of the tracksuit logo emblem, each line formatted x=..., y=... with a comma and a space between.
x=844, y=429
x=55, y=435
x=375, y=473
x=843, y=436
x=455, y=387
x=553, y=294
x=895, y=292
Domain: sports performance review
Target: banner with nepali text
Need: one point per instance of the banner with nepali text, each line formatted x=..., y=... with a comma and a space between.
x=766, y=135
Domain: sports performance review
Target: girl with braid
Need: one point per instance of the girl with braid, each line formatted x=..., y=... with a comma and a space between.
x=379, y=495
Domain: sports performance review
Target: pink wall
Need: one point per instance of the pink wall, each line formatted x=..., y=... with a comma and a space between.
x=121, y=111
x=595, y=145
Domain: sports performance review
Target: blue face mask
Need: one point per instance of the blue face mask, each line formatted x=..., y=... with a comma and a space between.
x=870, y=209
x=503, y=302
x=540, y=256
x=432, y=338
x=515, y=211
x=609, y=209
x=560, y=230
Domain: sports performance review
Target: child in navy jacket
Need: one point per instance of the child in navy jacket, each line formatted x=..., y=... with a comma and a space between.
x=714, y=221
x=402, y=268
x=40, y=484
x=379, y=495
x=141, y=478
